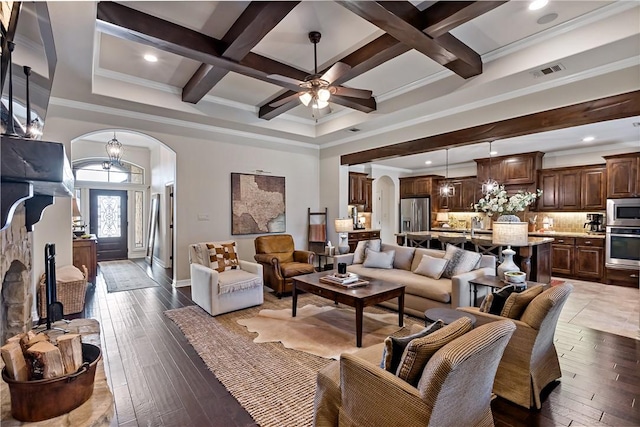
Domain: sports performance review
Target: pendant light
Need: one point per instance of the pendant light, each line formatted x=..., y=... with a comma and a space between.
x=490, y=184
x=446, y=189
x=114, y=150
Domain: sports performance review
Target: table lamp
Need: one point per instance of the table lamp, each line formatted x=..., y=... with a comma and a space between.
x=509, y=234
x=76, y=218
x=343, y=226
x=442, y=218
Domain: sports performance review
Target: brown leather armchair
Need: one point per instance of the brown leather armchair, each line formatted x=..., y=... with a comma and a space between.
x=281, y=262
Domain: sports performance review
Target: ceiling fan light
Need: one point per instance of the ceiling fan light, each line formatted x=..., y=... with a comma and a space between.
x=322, y=104
x=305, y=98
x=324, y=94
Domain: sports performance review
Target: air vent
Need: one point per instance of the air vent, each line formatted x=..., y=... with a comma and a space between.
x=354, y=130
x=547, y=70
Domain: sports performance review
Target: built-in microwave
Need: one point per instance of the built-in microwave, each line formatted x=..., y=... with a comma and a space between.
x=623, y=212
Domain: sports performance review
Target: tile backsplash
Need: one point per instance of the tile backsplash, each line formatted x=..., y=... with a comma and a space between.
x=571, y=222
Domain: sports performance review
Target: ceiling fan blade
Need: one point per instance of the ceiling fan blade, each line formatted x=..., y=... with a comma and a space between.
x=353, y=93
x=336, y=70
x=284, y=100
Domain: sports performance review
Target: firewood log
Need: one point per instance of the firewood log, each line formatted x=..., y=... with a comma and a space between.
x=44, y=360
x=14, y=361
x=16, y=338
x=70, y=346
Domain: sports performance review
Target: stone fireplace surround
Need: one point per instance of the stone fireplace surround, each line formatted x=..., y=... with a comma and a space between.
x=16, y=290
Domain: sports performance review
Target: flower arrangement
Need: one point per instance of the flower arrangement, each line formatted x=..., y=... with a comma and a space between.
x=497, y=201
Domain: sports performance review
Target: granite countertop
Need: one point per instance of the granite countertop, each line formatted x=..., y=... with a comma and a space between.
x=531, y=234
x=482, y=235
x=364, y=230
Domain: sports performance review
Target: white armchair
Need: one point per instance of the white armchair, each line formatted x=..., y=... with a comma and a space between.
x=221, y=292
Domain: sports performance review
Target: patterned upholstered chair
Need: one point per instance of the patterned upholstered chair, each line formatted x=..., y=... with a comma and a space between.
x=281, y=261
x=220, y=282
x=454, y=388
x=530, y=361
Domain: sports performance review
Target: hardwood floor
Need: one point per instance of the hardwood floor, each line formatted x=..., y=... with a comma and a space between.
x=158, y=379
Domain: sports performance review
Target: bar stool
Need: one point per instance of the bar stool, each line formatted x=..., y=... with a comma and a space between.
x=452, y=240
x=485, y=247
x=419, y=240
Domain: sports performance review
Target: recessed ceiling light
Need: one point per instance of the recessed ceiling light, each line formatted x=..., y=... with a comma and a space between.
x=550, y=17
x=538, y=4
x=493, y=153
x=588, y=138
x=150, y=58
x=428, y=162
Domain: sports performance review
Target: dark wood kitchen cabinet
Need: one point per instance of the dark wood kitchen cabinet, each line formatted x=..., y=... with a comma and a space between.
x=578, y=257
x=562, y=254
x=623, y=175
x=418, y=186
x=360, y=189
x=516, y=172
x=466, y=191
x=573, y=189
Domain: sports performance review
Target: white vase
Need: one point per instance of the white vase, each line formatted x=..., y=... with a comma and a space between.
x=508, y=218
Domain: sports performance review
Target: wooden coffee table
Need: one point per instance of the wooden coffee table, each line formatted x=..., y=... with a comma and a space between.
x=375, y=292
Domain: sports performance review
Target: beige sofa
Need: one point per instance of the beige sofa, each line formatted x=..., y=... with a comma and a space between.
x=421, y=292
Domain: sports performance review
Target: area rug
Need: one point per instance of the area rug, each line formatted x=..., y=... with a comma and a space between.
x=124, y=275
x=325, y=331
x=274, y=384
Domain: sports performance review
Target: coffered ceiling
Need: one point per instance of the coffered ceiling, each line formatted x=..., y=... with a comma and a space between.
x=219, y=60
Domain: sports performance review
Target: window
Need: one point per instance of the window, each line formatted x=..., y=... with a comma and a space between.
x=118, y=173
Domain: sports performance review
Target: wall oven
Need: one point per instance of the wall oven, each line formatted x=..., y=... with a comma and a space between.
x=622, y=237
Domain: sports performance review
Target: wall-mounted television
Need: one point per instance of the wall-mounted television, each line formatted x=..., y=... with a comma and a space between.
x=28, y=26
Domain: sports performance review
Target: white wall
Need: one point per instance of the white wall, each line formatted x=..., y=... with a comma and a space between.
x=163, y=172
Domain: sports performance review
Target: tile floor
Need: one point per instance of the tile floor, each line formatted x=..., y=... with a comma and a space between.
x=613, y=309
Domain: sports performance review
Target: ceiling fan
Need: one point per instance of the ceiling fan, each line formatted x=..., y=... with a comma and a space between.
x=316, y=89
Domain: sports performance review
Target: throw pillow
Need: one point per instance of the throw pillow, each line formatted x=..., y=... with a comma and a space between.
x=359, y=252
x=373, y=259
x=460, y=261
x=394, y=347
x=420, y=350
x=223, y=256
x=431, y=266
x=517, y=302
x=495, y=301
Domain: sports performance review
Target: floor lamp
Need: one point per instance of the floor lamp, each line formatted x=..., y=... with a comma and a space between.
x=343, y=227
x=509, y=234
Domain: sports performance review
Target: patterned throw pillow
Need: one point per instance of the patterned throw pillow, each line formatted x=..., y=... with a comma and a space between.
x=394, y=347
x=494, y=302
x=223, y=256
x=420, y=350
x=460, y=261
x=359, y=252
x=517, y=302
x=431, y=267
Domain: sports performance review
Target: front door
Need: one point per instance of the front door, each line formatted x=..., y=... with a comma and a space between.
x=108, y=215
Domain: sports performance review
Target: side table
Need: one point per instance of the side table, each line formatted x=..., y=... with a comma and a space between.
x=447, y=315
x=326, y=266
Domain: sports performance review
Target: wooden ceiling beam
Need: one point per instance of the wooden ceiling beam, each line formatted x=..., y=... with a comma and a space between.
x=599, y=110
x=444, y=16
x=255, y=22
x=406, y=25
x=129, y=24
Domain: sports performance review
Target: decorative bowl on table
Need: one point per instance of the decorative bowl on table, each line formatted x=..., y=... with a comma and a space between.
x=515, y=277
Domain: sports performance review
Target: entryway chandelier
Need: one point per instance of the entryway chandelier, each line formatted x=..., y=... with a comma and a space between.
x=114, y=152
x=446, y=188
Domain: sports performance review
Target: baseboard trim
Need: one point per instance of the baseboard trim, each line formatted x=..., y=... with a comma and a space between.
x=182, y=283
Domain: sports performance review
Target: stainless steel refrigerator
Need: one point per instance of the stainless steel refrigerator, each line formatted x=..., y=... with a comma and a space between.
x=415, y=214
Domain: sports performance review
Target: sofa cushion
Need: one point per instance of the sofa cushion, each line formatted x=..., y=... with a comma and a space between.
x=517, y=302
x=237, y=280
x=373, y=259
x=420, y=350
x=280, y=246
x=460, y=261
x=394, y=346
x=362, y=246
x=421, y=286
x=403, y=258
x=431, y=266
x=291, y=269
x=417, y=257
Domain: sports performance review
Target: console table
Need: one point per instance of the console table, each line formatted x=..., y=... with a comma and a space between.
x=85, y=253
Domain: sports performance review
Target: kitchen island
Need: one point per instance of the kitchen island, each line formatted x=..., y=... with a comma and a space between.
x=534, y=259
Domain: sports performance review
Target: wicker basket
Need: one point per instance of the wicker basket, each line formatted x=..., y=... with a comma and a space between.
x=70, y=294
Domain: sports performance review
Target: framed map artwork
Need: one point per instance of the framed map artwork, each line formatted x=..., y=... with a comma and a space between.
x=257, y=204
